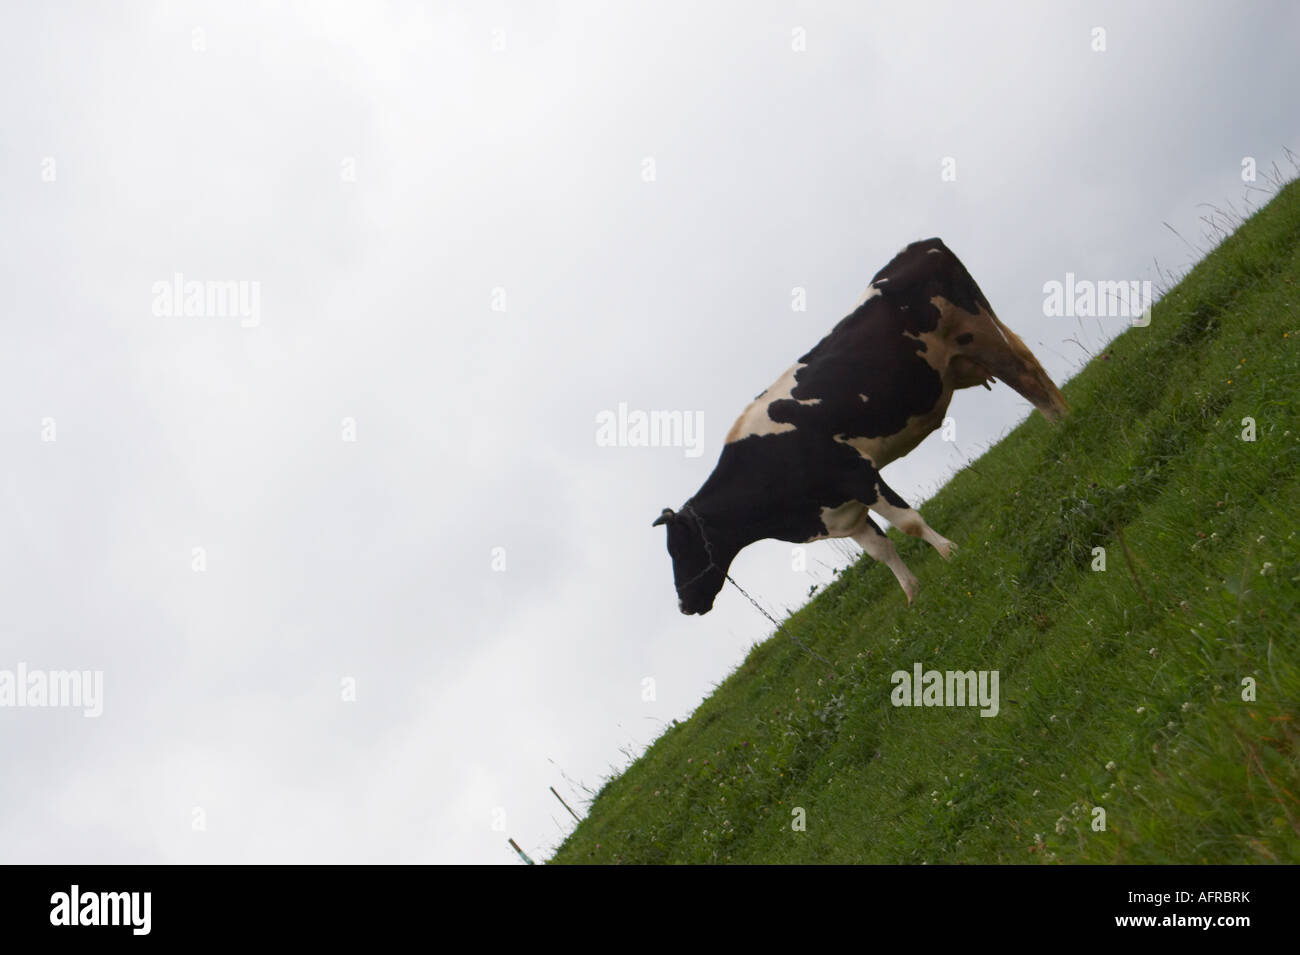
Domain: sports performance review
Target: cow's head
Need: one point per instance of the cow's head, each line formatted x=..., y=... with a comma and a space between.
x=977, y=346
x=700, y=562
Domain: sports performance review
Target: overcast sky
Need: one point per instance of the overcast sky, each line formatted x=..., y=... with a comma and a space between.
x=359, y=577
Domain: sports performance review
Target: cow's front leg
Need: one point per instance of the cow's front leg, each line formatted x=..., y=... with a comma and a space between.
x=896, y=510
x=873, y=540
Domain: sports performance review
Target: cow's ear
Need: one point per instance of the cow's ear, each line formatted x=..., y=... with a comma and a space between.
x=665, y=517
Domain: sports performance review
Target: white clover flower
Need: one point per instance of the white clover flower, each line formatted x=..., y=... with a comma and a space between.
x=1110, y=767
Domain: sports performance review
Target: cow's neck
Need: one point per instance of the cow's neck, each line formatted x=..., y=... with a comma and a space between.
x=727, y=527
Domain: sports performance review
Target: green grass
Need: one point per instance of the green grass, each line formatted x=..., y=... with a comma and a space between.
x=1120, y=689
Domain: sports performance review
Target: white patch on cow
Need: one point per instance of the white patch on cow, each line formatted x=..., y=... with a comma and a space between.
x=871, y=449
x=863, y=397
x=755, y=419
x=843, y=521
x=871, y=292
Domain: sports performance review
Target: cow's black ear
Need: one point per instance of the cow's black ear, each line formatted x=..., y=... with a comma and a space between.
x=665, y=517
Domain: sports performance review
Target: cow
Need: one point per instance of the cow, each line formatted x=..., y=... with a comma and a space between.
x=802, y=462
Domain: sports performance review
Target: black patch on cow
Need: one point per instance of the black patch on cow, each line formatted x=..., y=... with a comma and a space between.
x=873, y=351
x=927, y=269
x=965, y=338
x=776, y=486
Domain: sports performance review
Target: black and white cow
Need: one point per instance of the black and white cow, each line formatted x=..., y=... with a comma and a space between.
x=803, y=461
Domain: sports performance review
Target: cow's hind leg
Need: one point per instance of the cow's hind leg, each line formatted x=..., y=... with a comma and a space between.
x=896, y=510
x=873, y=540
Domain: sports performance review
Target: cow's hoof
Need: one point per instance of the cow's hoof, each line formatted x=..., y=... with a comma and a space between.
x=910, y=588
x=946, y=548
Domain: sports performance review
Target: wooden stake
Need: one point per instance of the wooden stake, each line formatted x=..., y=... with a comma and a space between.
x=564, y=804
x=523, y=855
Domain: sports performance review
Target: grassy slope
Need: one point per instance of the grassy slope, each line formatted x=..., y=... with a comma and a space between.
x=1138, y=668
